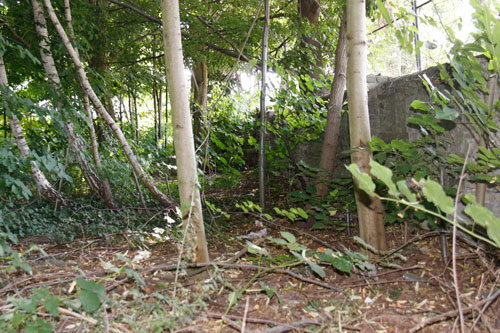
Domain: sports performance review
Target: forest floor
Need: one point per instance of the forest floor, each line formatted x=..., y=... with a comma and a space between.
x=411, y=291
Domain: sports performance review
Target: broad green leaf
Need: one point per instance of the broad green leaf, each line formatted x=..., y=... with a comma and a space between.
x=385, y=175
x=317, y=269
x=288, y=236
x=481, y=215
x=419, y=105
x=435, y=194
x=233, y=297
x=271, y=292
x=268, y=217
x=364, y=180
x=302, y=213
x=403, y=188
x=90, y=300
x=384, y=12
x=342, y=264
x=39, y=326
x=447, y=113
x=51, y=304
x=485, y=217
x=254, y=249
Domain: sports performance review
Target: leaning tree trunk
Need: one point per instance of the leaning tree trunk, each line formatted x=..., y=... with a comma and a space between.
x=331, y=140
x=102, y=111
x=75, y=141
x=370, y=209
x=197, y=249
x=44, y=187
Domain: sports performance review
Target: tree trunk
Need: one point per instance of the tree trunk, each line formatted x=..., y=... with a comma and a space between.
x=197, y=249
x=263, y=118
x=200, y=89
x=75, y=141
x=370, y=209
x=331, y=140
x=102, y=111
x=44, y=187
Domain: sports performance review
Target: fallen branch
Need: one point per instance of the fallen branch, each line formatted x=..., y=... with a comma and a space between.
x=453, y=313
x=167, y=267
x=264, y=321
x=92, y=321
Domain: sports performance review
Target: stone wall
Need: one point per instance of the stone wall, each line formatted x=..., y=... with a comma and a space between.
x=389, y=103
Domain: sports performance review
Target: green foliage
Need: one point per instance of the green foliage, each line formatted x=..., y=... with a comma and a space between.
x=433, y=192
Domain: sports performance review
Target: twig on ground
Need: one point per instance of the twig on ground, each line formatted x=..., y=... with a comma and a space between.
x=277, y=324
x=414, y=239
x=249, y=267
x=92, y=321
x=243, y=325
x=454, y=244
x=453, y=313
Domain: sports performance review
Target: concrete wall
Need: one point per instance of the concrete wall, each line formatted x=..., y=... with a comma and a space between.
x=389, y=104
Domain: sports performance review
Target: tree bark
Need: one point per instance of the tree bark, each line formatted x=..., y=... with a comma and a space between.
x=102, y=111
x=75, y=141
x=370, y=209
x=200, y=89
x=44, y=187
x=331, y=140
x=263, y=118
x=197, y=249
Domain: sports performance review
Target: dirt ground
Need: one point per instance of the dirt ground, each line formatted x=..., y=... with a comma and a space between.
x=413, y=291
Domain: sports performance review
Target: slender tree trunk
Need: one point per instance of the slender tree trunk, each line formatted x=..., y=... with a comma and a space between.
x=331, y=140
x=370, y=209
x=155, y=110
x=106, y=188
x=44, y=187
x=145, y=179
x=136, y=117
x=197, y=249
x=160, y=105
x=200, y=89
x=75, y=141
x=166, y=113
x=263, y=118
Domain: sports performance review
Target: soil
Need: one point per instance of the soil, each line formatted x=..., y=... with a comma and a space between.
x=406, y=290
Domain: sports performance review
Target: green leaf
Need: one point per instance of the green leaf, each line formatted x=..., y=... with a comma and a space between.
x=39, y=326
x=302, y=213
x=446, y=113
x=435, y=194
x=233, y=298
x=364, y=180
x=89, y=300
x=485, y=217
x=385, y=175
x=268, y=217
x=288, y=236
x=254, y=249
x=317, y=269
x=51, y=304
x=419, y=105
x=403, y=188
x=271, y=292
x=384, y=12
x=342, y=264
